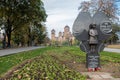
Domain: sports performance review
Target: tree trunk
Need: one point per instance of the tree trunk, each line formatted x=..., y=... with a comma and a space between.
x=9, y=39
x=8, y=32
x=29, y=37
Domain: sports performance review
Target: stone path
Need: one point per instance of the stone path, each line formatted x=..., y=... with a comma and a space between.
x=4, y=52
x=99, y=76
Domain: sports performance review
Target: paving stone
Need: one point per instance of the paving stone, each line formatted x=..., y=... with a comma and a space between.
x=116, y=79
x=106, y=76
x=109, y=79
x=95, y=76
x=99, y=76
x=96, y=79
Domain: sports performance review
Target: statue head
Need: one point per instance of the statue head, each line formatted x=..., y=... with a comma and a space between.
x=92, y=26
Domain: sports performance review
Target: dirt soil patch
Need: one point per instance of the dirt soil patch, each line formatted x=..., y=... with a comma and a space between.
x=117, y=46
x=112, y=68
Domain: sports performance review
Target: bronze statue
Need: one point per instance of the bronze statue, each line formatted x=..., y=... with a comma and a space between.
x=93, y=40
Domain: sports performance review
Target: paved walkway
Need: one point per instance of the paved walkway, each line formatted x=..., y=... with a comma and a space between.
x=99, y=76
x=16, y=50
x=112, y=50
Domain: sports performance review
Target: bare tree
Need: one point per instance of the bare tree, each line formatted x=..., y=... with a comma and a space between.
x=107, y=6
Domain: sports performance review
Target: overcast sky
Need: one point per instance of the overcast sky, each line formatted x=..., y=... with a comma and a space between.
x=60, y=13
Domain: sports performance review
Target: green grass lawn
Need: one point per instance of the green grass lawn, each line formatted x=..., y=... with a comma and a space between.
x=9, y=61
x=58, y=54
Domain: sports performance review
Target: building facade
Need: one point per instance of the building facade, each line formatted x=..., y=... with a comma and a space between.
x=65, y=36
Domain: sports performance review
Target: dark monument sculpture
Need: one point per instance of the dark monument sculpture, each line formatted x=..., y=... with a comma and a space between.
x=92, y=32
x=93, y=41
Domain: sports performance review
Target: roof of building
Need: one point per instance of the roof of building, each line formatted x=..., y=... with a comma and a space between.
x=52, y=30
x=66, y=26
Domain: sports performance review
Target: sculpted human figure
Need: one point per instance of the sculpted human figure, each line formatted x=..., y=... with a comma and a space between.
x=93, y=41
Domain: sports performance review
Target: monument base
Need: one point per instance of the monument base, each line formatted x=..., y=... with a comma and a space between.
x=93, y=60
